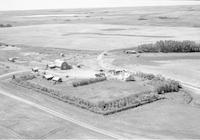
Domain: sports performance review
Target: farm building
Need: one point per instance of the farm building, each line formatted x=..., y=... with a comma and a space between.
x=12, y=59
x=57, y=79
x=48, y=76
x=52, y=66
x=130, y=52
x=35, y=69
x=62, y=64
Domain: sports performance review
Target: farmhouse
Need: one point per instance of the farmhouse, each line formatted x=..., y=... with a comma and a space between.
x=62, y=64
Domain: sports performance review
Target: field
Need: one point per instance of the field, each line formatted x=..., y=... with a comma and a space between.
x=94, y=40
x=123, y=27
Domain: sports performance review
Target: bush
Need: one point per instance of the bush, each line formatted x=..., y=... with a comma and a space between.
x=170, y=46
x=165, y=85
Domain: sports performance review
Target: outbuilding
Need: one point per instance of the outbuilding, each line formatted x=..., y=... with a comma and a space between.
x=12, y=59
x=62, y=64
x=48, y=76
x=130, y=52
x=57, y=79
x=52, y=66
x=35, y=69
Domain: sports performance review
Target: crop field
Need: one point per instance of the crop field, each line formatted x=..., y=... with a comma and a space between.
x=95, y=29
x=93, y=36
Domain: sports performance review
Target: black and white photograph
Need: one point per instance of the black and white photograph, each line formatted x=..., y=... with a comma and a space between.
x=100, y=69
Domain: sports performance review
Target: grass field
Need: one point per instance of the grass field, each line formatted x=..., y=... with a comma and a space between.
x=100, y=29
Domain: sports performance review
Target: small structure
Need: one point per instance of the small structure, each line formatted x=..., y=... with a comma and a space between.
x=35, y=69
x=130, y=52
x=80, y=65
x=62, y=64
x=62, y=54
x=57, y=79
x=48, y=76
x=12, y=59
x=130, y=78
x=52, y=66
x=101, y=70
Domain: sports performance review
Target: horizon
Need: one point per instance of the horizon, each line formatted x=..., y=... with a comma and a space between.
x=13, y=5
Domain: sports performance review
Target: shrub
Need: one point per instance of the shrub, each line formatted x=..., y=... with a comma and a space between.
x=166, y=85
x=170, y=46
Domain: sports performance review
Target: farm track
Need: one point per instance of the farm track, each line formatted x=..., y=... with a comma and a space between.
x=54, y=113
x=121, y=35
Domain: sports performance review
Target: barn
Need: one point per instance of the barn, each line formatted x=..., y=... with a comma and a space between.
x=62, y=64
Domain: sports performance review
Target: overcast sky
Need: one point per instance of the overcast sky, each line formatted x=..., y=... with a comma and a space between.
x=55, y=4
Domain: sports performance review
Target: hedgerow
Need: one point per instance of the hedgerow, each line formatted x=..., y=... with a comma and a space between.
x=88, y=81
x=170, y=46
x=104, y=108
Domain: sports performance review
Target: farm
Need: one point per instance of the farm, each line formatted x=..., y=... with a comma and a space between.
x=110, y=72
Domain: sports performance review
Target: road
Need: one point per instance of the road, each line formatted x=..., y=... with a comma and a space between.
x=55, y=113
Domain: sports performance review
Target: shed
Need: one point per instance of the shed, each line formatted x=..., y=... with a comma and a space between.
x=52, y=66
x=48, y=76
x=12, y=59
x=35, y=69
x=130, y=51
x=57, y=79
x=62, y=64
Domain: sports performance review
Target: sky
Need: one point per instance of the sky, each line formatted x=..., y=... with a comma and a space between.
x=67, y=4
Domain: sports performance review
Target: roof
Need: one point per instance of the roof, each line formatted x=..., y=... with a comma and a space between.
x=36, y=68
x=130, y=51
x=48, y=76
x=56, y=78
x=59, y=62
x=52, y=65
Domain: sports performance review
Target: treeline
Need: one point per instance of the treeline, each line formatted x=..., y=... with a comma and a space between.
x=170, y=46
x=160, y=84
x=88, y=81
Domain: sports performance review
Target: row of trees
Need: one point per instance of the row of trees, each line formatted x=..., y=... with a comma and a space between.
x=104, y=108
x=161, y=84
x=88, y=81
x=170, y=46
